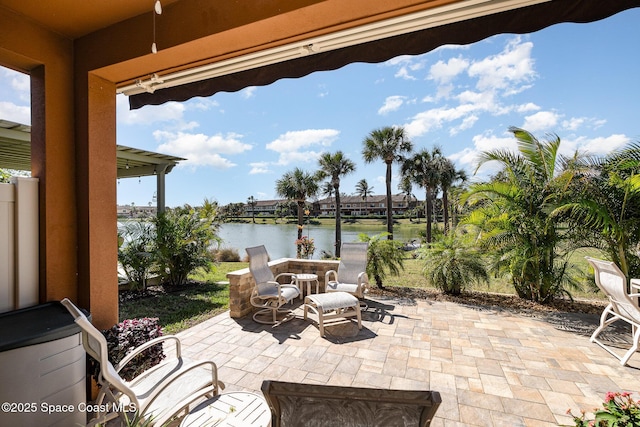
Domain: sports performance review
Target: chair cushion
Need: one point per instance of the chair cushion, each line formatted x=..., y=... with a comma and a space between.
x=342, y=287
x=333, y=301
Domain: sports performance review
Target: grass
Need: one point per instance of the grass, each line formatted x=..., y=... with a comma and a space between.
x=208, y=295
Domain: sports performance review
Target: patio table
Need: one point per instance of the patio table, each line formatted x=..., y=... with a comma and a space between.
x=233, y=409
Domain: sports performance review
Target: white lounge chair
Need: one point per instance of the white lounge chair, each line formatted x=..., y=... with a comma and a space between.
x=269, y=295
x=622, y=305
x=159, y=394
x=351, y=276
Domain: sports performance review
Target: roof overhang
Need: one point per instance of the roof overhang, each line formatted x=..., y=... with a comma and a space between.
x=460, y=22
x=15, y=153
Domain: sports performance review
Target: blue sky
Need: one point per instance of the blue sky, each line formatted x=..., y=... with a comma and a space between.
x=579, y=81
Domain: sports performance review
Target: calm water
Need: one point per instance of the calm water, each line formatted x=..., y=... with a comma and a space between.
x=279, y=239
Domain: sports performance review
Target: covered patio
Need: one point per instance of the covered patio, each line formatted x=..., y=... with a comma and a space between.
x=491, y=366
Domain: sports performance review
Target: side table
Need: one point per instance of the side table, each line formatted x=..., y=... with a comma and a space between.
x=233, y=409
x=302, y=279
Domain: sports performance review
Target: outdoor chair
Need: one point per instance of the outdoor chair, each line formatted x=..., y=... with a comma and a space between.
x=351, y=276
x=622, y=305
x=316, y=405
x=269, y=295
x=157, y=395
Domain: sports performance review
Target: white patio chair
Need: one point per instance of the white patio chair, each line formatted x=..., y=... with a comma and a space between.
x=622, y=305
x=351, y=276
x=269, y=295
x=159, y=394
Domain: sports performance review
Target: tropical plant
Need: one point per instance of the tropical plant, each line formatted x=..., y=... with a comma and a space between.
x=297, y=185
x=423, y=169
x=452, y=262
x=307, y=247
x=384, y=257
x=513, y=213
x=334, y=166
x=389, y=144
x=5, y=176
x=603, y=206
x=183, y=240
x=364, y=190
x=448, y=176
x=136, y=253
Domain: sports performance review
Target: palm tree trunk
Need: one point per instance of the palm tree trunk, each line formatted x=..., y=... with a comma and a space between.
x=428, y=212
x=338, y=223
x=300, y=225
x=445, y=209
x=389, y=203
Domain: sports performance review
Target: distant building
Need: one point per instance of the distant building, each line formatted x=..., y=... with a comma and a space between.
x=264, y=207
x=373, y=205
x=132, y=211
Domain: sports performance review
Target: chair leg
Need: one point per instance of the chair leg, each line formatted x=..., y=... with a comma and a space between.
x=632, y=350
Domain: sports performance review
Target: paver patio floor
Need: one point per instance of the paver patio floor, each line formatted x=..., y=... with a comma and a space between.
x=492, y=367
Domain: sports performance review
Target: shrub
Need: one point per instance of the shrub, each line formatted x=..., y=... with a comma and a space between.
x=136, y=252
x=226, y=255
x=127, y=335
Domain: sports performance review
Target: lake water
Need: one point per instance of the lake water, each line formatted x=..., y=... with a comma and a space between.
x=279, y=239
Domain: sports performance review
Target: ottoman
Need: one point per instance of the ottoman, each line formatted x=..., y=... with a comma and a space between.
x=334, y=305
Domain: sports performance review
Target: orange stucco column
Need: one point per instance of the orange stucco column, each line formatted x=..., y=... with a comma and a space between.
x=96, y=190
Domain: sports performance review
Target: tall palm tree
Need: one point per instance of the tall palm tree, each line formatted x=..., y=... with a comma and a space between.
x=251, y=201
x=297, y=185
x=388, y=144
x=334, y=166
x=448, y=176
x=422, y=169
x=406, y=187
x=364, y=191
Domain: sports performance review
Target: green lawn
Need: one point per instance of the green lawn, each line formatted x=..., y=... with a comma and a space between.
x=179, y=310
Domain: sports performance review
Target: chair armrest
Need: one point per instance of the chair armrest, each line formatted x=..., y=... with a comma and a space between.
x=329, y=273
x=136, y=351
x=292, y=275
x=635, y=284
x=363, y=279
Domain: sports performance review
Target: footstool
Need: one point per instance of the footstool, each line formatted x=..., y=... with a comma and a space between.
x=334, y=305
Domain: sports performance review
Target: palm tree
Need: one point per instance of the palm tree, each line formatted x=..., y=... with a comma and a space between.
x=514, y=215
x=604, y=205
x=334, y=166
x=384, y=257
x=363, y=190
x=448, y=176
x=251, y=201
x=389, y=144
x=406, y=187
x=422, y=169
x=297, y=185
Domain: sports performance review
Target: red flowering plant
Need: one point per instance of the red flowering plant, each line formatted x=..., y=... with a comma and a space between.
x=618, y=410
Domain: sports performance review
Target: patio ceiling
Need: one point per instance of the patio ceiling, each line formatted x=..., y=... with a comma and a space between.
x=15, y=153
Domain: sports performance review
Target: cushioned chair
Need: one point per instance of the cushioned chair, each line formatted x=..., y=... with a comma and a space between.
x=622, y=305
x=351, y=276
x=269, y=295
x=159, y=394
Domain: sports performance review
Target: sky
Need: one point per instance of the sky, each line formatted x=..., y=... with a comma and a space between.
x=577, y=81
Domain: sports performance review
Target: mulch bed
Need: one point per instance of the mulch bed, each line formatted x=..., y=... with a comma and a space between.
x=493, y=300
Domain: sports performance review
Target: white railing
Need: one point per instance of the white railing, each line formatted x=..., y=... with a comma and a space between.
x=19, y=253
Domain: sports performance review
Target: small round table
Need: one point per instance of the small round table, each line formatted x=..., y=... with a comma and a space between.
x=301, y=279
x=233, y=409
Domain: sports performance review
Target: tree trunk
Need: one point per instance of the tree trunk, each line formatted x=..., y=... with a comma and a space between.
x=389, y=203
x=338, y=242
x=445, y=210
x=428, y=212
x=300, y=224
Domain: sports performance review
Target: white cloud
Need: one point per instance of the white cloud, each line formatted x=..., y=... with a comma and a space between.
x=443, y=72
x=406, y=65
x=432, y=119
x=170, y=111
x=525, y=108
x=295, y=146
x=200, y=149
x=248, y=92
x=604, y=145
x=507, y=70
x=541, y=121
x=392, y=103
x=202, y=104
x=15, y=113
x=259, y=168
